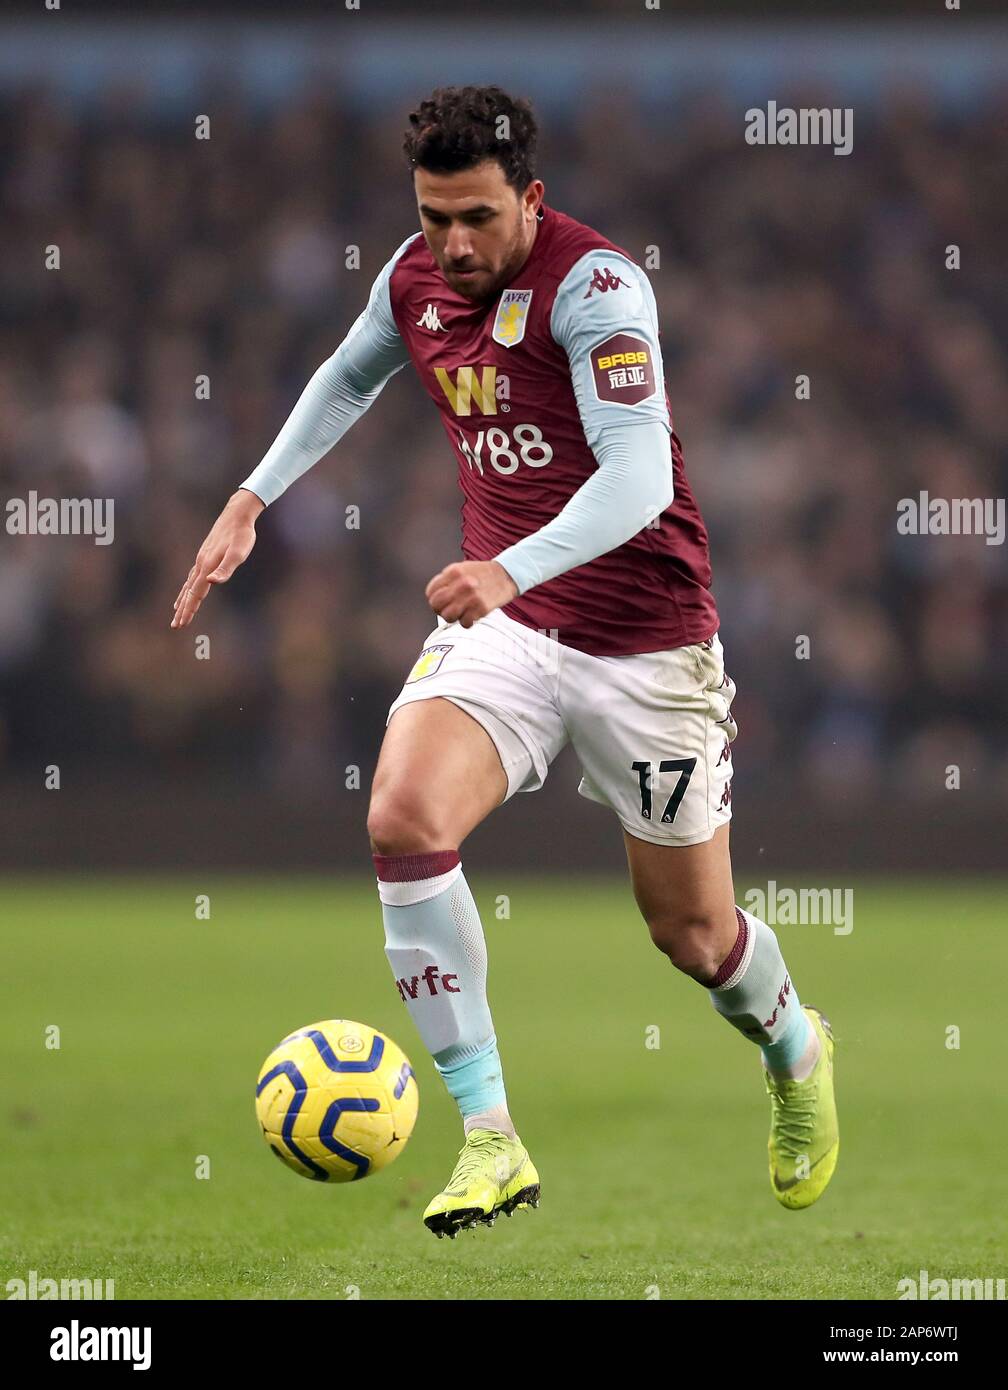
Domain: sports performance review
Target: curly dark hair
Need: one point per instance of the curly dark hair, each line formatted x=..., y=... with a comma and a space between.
x=458, y=127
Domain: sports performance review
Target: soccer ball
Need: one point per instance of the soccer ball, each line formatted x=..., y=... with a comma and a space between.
x=336, y=1100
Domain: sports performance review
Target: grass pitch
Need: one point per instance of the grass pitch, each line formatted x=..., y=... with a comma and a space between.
x=653, y=1159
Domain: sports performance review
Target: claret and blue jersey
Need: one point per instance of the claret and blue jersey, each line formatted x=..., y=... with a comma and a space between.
x=553, y=398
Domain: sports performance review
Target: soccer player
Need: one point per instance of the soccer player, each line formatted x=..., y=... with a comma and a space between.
x=582, y=611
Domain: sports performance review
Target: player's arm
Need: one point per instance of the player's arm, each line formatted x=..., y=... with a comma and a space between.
x=630, y=438
x=338, y=393
x=632, y=486
x=623, y=413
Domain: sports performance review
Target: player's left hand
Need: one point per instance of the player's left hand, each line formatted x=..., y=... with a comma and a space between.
x=469, y=590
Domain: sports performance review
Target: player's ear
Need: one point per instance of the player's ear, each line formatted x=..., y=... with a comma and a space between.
x=532, y=197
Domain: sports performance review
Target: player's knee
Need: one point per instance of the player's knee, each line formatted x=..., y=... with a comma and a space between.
x=401, y=823
x=691, y=941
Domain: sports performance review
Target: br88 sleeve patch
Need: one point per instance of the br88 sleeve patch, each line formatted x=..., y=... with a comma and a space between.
x=623, y=369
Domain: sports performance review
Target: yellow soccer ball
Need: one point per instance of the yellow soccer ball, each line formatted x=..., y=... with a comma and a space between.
x=337, y=1100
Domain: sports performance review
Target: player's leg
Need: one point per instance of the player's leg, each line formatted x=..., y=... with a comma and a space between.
x=654, y=736
x=468, y=730
x=685, y=895
x=439, y=775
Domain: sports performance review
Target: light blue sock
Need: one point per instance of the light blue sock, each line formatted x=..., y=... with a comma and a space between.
x=790, y=1047
x=434, y=942
x=753, y=991
x=476, y=1083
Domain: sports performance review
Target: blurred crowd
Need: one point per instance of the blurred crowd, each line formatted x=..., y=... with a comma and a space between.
x=227, y=259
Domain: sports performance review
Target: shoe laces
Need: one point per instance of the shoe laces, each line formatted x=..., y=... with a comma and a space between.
x=472, y=1155
x=795, y=1108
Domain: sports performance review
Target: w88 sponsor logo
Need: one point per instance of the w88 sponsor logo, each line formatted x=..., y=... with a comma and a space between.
x=505, y=451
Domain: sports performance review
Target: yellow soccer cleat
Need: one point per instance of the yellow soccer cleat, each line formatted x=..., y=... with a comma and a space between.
x=804, y=1136
x=493, y=1174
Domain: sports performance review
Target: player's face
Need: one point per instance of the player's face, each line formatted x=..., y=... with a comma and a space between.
x=479, y=229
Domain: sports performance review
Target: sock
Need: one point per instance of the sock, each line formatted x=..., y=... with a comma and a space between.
x=753, y=991
x=495, y=1118
x=435, y=945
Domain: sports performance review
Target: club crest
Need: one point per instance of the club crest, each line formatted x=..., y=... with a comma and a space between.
x=428, y=662
x=512, y=315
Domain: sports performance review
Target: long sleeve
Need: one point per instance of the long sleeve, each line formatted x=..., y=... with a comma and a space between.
x=338, y=393
x=633, y=485
x=628, y=430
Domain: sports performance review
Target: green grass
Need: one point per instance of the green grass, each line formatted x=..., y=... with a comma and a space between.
x=653, y=1162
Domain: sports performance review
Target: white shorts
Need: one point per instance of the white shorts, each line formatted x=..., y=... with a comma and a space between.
x=652, y=731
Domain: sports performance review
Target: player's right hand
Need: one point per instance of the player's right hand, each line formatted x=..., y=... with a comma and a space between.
x=226, y=547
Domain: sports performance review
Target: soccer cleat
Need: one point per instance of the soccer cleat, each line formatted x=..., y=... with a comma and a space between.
x=804, y=1137
x=493, y=1174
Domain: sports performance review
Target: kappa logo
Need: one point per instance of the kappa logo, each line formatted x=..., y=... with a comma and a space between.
x=604, y=280
x=429, y=319
x=408, y=989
